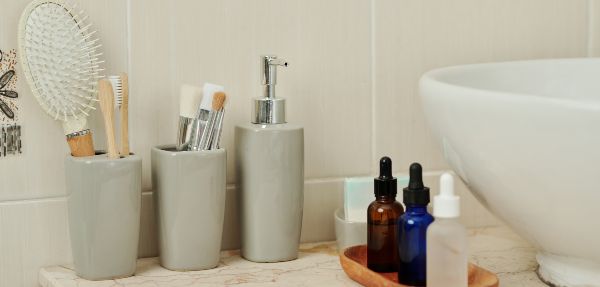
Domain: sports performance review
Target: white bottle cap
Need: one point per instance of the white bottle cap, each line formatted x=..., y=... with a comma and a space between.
x=189, y=100
x=446, y=204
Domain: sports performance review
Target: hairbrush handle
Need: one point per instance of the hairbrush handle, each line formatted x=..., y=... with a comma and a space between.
x=125, y=116
x=81, y=143
x=107, y=102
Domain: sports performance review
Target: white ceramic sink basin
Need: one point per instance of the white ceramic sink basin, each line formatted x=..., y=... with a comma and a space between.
x=525, y=137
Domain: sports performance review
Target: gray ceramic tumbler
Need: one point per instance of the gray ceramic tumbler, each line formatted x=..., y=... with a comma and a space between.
x=189, y=190
x=104, y=214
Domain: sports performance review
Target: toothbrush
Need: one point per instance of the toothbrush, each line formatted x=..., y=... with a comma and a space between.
x=125, y=116
x=121, y=91
x=107, y=102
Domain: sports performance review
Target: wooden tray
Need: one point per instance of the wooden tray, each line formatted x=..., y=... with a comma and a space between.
x=354, y=263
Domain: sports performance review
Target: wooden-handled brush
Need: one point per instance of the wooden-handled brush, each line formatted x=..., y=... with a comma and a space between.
x=120, y=86
x=208, y=136
x=107, y=103
x=218, y=126
x=81, y=144
x=125, y=115
x=218, y=101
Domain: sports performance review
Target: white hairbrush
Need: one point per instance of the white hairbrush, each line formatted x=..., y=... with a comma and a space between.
x=61, y=60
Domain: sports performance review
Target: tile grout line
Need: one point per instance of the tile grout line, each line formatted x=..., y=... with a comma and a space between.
x=128, y=31
x=590, y=27
x=433, y=173
x=129, y=68
x=373, y=87
x=426, y=174
x=229, y=186
x=57, y=198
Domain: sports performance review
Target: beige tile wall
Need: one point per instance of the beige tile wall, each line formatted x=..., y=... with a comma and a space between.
x=594, y=28
x=33, y=209
x=352, y=84
x=33, y=234
x=327, y=84
x=39, y=172
x=412, y=37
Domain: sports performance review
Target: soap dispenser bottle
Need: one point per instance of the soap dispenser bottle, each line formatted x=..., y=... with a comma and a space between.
x=447, y=263
x=382, y=220
x=269, y=156
x=412, y=231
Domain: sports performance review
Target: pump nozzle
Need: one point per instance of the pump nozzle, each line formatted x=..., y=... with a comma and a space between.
x=270, y=64
x=269, y=109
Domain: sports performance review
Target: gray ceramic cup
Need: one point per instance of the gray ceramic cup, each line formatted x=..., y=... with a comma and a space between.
x=189, y=193
x=104, y=198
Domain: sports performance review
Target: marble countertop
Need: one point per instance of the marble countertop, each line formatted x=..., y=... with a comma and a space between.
x=496, y=248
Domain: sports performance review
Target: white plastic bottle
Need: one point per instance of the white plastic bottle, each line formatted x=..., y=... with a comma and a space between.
x=447, y=264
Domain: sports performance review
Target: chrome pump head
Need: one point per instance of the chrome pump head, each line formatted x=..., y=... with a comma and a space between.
x=269, y=109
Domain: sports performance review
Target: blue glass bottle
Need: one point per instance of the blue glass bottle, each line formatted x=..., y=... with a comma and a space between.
x=412, y=231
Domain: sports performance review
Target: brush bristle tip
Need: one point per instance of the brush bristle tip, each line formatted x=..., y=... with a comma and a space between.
x=218, y=101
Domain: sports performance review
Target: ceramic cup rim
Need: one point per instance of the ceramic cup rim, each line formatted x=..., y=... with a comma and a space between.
x=171, y=149
x=102, y=156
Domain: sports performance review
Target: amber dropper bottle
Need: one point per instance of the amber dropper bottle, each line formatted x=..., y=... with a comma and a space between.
x=382, y=219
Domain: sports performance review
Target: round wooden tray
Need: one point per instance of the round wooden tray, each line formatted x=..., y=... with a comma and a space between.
x=354, y=263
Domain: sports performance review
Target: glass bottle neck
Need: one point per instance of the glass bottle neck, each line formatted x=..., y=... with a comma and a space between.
x=416, y=208
x=385, y=198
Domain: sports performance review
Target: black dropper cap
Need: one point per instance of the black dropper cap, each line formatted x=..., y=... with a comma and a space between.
x=385, y=184
x=416, y=193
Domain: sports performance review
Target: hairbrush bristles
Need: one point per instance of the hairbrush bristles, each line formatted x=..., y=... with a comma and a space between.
x=61, y=58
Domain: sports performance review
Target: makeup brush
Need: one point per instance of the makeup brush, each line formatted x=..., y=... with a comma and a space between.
x=189, y=101
x=215, y=142
x=200, y=127
x=218, y=101
x=218, y=128
x=107, y=102
x=208, y=134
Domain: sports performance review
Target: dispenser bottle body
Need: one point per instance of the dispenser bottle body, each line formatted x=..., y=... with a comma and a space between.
x=270, y=178
x=447, y=254
x=382, y=242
